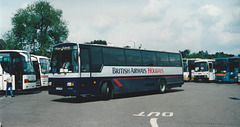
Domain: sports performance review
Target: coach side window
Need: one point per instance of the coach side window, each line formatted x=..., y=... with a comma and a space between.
x=113, y=56
x=175, y=60
x=96, y=59
x=84, y=60
x=133, y=57
x=149, y=58
x=162, y=59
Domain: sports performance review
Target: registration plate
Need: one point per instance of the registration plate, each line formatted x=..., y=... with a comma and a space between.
x=59, y=88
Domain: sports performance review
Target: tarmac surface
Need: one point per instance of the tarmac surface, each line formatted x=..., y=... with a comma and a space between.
x=193, y=105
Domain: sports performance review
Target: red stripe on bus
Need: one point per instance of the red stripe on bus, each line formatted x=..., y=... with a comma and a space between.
x=149, y=77
x=118, y=83
x=44, y=76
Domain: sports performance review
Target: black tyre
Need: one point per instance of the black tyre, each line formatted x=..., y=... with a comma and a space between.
x=107, y=91
x=162, y=86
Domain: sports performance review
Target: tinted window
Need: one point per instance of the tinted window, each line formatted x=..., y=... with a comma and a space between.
x=175, y=60
x=84, y=60
x=96, y=58
x=162, y=59
x=112, y=56
x=133, y=57
x=149, y=58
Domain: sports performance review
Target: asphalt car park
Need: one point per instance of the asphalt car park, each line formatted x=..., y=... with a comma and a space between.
x=194, y=104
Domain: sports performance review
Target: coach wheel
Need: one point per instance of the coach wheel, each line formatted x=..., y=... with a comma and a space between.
x=162, y=86
x=106, y=91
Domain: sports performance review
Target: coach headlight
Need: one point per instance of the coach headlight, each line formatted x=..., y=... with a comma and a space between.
x=49, y=83
x=70, y=84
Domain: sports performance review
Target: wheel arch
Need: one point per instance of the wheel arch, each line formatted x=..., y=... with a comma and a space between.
x=166, y=85
x=109, y=83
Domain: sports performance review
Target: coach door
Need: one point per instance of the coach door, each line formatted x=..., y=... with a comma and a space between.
x=1, y=78
x=85, y=62
x=211, y=72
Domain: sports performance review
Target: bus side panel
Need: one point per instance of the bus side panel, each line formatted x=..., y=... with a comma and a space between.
x=131, y=85
x=239, y=77
x=44, y=80
x=92, y=86
x=220, y=77
x=174, y=81
x=227, y=77
x=235, y=75
x=83, y=86
x=1, y=82
x=29, y=81
x=1, y=78
x=59, y=87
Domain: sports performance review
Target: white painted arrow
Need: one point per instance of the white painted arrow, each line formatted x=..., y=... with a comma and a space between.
x=153, y=122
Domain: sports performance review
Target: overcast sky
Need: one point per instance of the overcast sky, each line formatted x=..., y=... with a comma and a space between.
x=166, y=25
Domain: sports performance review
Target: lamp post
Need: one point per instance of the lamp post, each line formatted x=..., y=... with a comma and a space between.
x=133, y=43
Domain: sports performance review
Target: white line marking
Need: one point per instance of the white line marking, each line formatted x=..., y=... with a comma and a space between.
x=156, y=114
x=140, y=114
x=153, y=122
x=167, y=114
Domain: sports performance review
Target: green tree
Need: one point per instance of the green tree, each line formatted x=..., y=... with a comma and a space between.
x=38, y=27
x=2, y=42
x=222, y=54
x=185, y=53
x=10, y=41
x=100, y=42
x=203, y=55
x=127, y=47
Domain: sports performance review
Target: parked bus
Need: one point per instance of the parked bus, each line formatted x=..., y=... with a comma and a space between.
x=41, y=66
x=107, y=71
x=188, y=69
x=239, y=73
x=227, y=69
x=17, y=63
x=204, y=70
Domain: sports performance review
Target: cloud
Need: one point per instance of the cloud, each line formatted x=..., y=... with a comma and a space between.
x=24, y=5
x=103, y=23
x=155, y=10
x=210, y=10
x=209, y=15
x=234, y=25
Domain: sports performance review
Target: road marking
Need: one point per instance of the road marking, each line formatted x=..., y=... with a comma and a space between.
x=140, y=114
x=153, y=122
x=167, y=114
x=156, y=114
